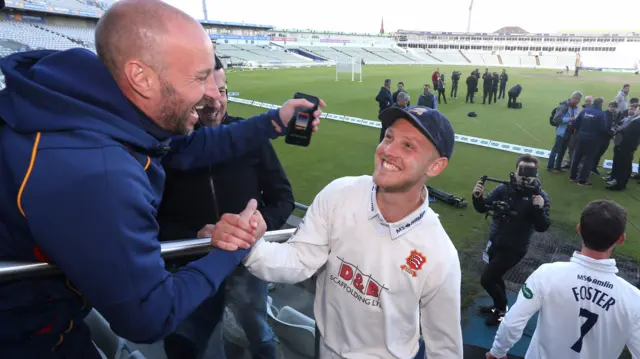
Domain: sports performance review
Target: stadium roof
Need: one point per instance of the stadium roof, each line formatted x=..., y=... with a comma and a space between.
x=94, y=12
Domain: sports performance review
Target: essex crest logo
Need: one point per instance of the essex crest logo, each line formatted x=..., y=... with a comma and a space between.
x=414, y=263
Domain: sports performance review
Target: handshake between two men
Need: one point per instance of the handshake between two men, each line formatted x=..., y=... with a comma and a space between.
x=235, y=231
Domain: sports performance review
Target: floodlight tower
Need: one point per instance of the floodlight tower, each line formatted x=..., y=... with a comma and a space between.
x=469, y=22
x=204, y=9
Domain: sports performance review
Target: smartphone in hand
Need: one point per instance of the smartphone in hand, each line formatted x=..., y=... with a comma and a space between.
x=300, y=127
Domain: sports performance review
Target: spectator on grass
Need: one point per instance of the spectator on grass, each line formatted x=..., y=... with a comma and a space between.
x=504, y=78
x=494, y=87
x=385, y=100
x=403, y=100
x=428, y=99
x=605, y=141
x=591, y=127
x=434, y=78
x=565, y=114
x=513, y=94
x=100, y=127
x=441, y=89
x=455, y=78
x=487, y=87
x=191, y=200
x=621, y=98
x=394, y=97
x=624, y=114
x=571, y=132
x=626, y=143
x=629, y=113
x=472, y=86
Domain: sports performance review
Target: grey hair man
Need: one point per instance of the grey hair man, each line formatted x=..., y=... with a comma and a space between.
x=621, y=98
x=403, y=100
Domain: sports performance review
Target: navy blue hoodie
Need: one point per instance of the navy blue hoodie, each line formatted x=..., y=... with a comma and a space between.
x=80, y=184
x=591, y=123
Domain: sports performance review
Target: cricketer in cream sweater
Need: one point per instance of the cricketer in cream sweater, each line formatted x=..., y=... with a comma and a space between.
x=585, y=310
x=386, y=266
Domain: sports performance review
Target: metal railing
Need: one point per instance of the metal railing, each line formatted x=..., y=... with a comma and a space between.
x=15, y=270
x=302, y=206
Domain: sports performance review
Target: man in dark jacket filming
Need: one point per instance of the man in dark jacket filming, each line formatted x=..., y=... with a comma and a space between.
x=591, y=127
x=509, y=233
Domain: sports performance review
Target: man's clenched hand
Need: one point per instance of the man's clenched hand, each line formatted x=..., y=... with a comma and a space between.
x=235, y=231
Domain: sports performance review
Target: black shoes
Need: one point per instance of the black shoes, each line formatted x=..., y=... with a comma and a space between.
x=495, y=318
x=495, y=315
x=487, y=309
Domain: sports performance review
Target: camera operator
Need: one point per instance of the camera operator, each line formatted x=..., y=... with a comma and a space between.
x=520, y=206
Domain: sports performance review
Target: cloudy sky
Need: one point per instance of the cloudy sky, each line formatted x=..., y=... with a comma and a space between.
x=426, y=15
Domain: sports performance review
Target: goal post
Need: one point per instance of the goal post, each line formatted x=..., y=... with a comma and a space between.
x=351, y=65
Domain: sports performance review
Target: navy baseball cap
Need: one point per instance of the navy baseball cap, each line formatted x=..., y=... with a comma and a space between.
x=433, y=124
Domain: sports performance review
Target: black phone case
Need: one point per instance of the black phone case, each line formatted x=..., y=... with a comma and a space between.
x=295, y=137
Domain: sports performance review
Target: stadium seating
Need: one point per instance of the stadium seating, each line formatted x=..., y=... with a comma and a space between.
x=34, y=37
x=308, y=48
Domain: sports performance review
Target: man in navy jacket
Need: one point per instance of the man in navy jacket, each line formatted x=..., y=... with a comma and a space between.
x=385, y=101
x=195, y=198
x=81, y=180
x=591, y=127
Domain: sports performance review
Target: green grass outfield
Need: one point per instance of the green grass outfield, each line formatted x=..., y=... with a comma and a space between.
x=343, y=149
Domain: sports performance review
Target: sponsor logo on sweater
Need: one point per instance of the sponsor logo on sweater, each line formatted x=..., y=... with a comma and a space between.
x=360, y=286
x=411, y=223
x=596, y=281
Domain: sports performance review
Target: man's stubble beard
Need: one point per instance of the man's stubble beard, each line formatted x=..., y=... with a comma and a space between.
x=173, y=119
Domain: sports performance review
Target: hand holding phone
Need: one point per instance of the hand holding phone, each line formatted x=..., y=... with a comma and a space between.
x=300, y=126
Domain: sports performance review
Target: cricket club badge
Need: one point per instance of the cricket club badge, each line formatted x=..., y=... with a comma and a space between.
x=414, y=263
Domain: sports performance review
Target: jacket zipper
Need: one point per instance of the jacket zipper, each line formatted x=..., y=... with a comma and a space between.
x=212, y=187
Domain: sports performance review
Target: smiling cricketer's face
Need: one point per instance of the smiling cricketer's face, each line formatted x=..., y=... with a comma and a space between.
x=405, y=159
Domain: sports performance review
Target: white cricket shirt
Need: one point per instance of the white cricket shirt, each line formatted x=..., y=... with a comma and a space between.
x=585, y=311
x=376, y=279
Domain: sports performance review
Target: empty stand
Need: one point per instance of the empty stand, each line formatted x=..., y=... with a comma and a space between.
x=33, y=37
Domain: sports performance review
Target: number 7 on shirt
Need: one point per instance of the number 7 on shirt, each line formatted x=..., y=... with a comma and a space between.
x=592, y=318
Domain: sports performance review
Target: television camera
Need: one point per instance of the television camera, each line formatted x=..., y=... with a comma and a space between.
x=528, y=183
